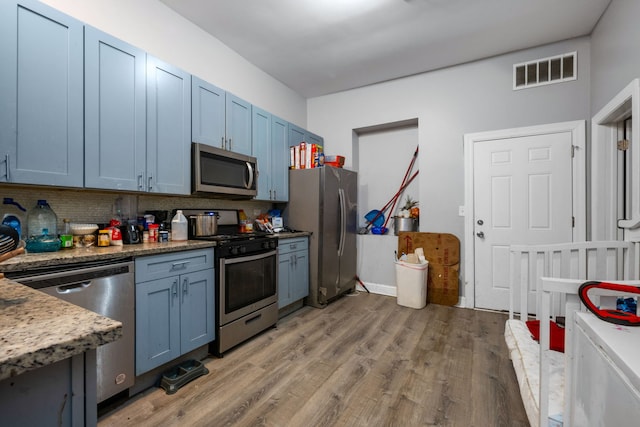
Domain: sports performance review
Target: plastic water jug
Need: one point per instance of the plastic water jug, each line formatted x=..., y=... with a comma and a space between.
x=179, y=227
x=13, y=215
x=42, y=220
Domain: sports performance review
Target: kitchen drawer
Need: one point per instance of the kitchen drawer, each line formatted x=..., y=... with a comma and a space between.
x=286, y=246
x=166, y=265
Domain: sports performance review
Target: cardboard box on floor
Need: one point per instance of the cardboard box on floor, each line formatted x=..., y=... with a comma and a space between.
x=442, y=250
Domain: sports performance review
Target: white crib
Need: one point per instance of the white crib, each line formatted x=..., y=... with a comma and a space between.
x=544, y=282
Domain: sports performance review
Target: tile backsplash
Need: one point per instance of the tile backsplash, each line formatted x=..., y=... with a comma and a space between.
x=93, y=206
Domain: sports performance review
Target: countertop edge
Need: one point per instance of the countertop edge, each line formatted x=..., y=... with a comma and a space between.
x=37, y=329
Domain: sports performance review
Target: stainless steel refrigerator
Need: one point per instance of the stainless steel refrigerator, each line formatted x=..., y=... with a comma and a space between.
x=324, y=201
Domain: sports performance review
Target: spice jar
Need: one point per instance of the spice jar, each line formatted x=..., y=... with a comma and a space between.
x=153, y=232
x=103, y=238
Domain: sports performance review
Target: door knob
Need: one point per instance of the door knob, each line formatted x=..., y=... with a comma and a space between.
x=480, y=222
x=480, y=234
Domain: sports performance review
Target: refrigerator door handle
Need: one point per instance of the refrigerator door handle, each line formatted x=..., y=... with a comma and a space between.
x=343, y=221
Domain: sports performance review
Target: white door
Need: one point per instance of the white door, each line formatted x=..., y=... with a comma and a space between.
x=522, y=194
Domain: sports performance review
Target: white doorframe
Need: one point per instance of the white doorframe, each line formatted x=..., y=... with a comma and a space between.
x=604, y=134
x=578, y=137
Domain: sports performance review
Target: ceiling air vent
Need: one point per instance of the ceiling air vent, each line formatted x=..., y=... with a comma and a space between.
x=545, y=71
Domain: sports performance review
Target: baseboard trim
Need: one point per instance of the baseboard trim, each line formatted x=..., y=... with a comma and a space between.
x=376, y=288
x=392, y=291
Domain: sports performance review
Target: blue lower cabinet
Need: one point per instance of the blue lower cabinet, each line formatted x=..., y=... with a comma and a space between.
x=174, y=314
x=293, y=270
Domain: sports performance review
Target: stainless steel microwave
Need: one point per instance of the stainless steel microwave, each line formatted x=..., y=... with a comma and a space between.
x=223, y=173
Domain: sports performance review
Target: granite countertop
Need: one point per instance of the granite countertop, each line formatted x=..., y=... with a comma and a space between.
x=37, y=329
x=73, y=256
x=291, y=234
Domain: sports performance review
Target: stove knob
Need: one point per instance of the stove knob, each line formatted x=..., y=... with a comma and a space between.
x=272, y=244
x=266, y=245
x=234, y=250
x=243, y=249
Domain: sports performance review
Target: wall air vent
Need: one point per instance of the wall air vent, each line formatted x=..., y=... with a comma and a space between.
x=546, y=71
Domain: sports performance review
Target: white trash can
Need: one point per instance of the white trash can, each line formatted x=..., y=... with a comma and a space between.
x=411, y=284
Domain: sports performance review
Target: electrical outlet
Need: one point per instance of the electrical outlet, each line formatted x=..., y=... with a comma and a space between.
x=460, y=210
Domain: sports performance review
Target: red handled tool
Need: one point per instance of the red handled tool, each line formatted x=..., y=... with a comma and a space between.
x=608, y=315
x=362, y=284
x=394, y=199
x=385, y=207
x=403, y=185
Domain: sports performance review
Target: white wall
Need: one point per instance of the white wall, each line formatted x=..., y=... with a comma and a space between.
x=448, y=103
x=615, y=52
x=157, y=29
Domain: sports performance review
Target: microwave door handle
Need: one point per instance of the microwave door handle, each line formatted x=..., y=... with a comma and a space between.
x=250, y=169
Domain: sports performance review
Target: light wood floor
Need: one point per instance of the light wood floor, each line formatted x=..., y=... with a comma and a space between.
x=362, y=361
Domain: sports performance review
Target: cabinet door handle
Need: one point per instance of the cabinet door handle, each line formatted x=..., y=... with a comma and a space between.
x=6, y=160
x=140, y=176
x=229, y=143
x=185, y=288
x=174, y=291
x=179, y=265
x=149, y=187
x=274, y=195
x=222, y=142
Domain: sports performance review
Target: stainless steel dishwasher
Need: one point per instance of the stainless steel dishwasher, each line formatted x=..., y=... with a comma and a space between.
x=106, y=288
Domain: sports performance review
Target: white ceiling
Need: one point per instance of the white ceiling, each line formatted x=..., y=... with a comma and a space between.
x=317, y=47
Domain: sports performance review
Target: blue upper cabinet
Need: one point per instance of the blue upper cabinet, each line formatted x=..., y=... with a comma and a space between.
x=271, y=150
x=207, y=113
x=279, y=159
x=168, y=128
x=312, y=138
x=261, y=128
x=41, y=86
x=219, y=118
x=238, y=125
x=115, y=113
x=296, y=135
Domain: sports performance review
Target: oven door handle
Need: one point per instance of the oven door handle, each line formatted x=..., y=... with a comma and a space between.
x=343, y=222
x=247, y=258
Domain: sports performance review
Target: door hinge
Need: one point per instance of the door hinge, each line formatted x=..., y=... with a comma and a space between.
x=623, y=144
x=573, y=222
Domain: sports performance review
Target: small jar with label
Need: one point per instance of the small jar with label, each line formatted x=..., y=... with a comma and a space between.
x=66, y=238
x=103, y=238
x=153, y=232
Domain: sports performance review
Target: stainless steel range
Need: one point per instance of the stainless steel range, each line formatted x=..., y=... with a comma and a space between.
x=246, y=267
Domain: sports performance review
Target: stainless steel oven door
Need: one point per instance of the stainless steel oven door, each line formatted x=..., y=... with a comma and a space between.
x=247, y=283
